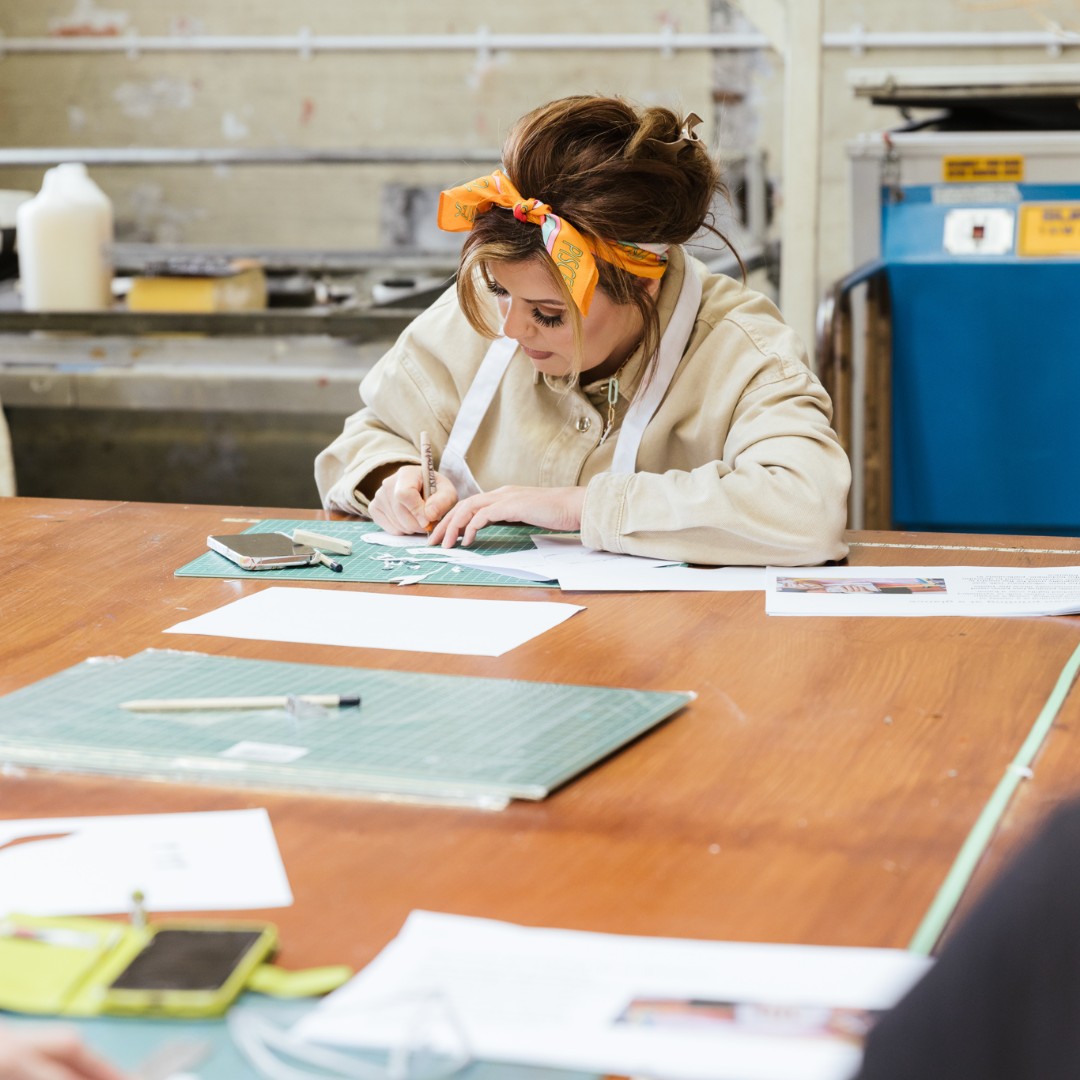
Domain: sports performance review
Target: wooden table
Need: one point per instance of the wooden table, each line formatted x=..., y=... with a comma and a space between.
x=816, y=791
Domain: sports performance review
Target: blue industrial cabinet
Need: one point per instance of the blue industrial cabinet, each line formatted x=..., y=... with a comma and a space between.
x=979, y=236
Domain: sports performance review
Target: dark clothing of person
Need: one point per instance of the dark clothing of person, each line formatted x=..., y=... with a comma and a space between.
x=1002, y=1002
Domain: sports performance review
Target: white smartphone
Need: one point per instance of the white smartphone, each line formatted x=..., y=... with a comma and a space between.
x=263, y=551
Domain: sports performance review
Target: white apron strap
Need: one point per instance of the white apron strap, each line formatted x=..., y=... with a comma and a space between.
x=477, y=401
x=672, y=346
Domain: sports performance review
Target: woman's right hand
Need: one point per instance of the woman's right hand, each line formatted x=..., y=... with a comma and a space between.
x=398, y=506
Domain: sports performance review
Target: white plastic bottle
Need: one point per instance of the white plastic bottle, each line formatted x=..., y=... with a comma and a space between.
x=63, y=236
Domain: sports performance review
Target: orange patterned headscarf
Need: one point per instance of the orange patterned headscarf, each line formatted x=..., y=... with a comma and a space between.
x=573, y=255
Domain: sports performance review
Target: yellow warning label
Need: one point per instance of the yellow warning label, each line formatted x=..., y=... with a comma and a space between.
x=971, y=168
x=1049, y=229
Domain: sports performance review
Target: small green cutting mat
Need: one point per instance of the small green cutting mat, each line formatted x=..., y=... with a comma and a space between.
x=370, y=562
x=441, y=738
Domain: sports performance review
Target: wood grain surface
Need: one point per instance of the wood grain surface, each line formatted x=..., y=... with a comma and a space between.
x=816, y=790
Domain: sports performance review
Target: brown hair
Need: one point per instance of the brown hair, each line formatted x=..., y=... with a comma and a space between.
x=599, y=163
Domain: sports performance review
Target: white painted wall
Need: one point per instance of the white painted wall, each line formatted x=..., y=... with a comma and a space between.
x=430, y=99
x=353, y=100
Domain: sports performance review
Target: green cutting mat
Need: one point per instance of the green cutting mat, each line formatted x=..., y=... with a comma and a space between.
x=446, y=738
x=366, y=563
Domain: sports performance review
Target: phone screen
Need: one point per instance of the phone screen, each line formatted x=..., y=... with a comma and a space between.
x=186, y=960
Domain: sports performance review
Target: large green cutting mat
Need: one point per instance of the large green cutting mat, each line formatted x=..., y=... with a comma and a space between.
x=446, y=738
x=368, y=562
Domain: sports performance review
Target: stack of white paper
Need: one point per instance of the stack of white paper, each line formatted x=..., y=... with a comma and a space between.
x=679, y=1009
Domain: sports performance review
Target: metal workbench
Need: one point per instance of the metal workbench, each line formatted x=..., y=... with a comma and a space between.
x=219, y=407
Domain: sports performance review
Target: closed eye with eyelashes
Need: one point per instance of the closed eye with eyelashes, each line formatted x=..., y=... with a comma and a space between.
x=548, y=321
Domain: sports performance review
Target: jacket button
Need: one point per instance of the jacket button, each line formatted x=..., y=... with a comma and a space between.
x=584, y=423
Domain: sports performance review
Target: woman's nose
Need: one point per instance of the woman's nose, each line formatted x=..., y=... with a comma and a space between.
x=516, y=323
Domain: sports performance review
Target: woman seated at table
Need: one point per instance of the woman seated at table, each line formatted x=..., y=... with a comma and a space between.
x=588, y=375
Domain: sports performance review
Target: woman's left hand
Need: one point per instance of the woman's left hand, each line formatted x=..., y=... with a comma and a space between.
x=556, y=508
x=50, y=1054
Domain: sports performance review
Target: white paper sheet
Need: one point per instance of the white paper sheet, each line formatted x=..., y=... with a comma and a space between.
x=577, y=568
x=581, y=569
x=526, y=565
x=377, y=621
x=555, y=998
x=214, y=861
x=391, y=540
x=923, y=590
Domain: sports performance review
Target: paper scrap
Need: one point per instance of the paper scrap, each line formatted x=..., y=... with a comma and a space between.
x=275, y=753
x=409, y=579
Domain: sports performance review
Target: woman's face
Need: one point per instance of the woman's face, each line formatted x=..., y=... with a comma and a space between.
x=535, y=315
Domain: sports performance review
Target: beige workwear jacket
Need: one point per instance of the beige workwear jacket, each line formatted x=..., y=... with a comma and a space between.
x=739, y=464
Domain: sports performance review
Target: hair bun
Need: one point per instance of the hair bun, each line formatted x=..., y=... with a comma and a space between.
x=670, y=149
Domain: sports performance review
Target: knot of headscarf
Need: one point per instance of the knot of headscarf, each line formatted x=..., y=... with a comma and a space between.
x=573, y=255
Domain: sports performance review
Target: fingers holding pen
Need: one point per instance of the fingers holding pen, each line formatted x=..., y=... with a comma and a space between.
x=442, y=500
x=399, y=507
x=415, y=499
